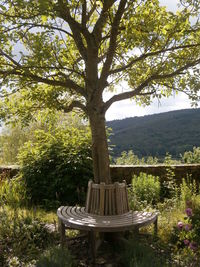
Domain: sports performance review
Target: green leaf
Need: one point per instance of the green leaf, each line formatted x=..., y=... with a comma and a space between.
x=44, y=18
x=3, y=7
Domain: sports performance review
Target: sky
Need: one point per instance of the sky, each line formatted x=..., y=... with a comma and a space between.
x=127, y=108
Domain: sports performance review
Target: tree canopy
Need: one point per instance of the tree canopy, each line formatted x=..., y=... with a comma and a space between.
x=65, y=54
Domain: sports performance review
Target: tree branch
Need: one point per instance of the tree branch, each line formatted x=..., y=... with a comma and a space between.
x=113, y=42
x=75, y=104
x=84, y=15
x=35, y=25
x=22, y=71
x=19, y=16
x=9, y=58
x=66, y=84
x=153, y=77
x=127, y=95
x=102, y=19
x=91, y=10
x=150, y=54
x=75, y=27
x=178, y=71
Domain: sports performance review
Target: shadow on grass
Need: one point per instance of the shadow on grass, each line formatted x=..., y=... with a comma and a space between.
x=144, y=250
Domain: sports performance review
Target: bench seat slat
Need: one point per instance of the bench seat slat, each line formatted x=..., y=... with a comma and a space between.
x=78, y=218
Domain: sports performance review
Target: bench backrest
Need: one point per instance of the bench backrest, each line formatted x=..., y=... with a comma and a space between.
x=107, y=199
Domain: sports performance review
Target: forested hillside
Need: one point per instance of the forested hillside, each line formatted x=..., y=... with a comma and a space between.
x=174, y=132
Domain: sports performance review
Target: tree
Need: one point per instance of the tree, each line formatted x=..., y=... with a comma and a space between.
x=192, y=157
x=65, y=54
x=14, y=136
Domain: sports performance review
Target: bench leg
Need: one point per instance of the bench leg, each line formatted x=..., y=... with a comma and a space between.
x=92, y=244
x=136, y=231
x=156, y=227
x=62, y=233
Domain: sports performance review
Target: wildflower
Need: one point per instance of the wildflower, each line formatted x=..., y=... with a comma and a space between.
x=180, y=225
x=188, y=227
x=193, y=246
x=188, y=212
x=186, y=242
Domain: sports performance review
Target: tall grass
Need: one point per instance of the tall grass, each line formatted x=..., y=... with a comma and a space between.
x=12, y=192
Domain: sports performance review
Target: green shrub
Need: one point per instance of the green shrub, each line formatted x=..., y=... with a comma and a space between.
x=139, y=254
x=56, y=257
x=146, y=187
x=192, y=156
x=129, y=158
x=12, y=191
x=57, y=166
x=22, y=235
x=186, y=235
x=169, y=187
x=188, y=190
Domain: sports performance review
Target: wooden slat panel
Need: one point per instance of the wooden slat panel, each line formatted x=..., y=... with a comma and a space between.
x=102, y=198
x=92, y=201
x=117, y=197
x=88, y=201
x=110, y=200
x=78, y=218
x=126, y=192
x=106, y=203
x=113, y=201
x=98, y=201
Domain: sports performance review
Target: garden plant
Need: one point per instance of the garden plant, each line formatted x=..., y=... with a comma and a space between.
x=65, y=55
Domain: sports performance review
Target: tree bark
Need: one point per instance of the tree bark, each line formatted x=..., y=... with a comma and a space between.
x=100, y=155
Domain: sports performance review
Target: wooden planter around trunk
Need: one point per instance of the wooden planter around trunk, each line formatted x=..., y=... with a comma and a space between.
x=107, y=199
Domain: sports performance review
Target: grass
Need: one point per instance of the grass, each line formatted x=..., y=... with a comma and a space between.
x=34, y=212
x=167, y=220
x=24, y=240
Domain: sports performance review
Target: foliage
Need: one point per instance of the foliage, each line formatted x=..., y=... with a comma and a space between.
x=145, y=189
x=174, y=132
x=10, y=140
x=164, y=251
x=48, y=76
x=138, y=253
x=129, y=158
x=59, y=55
x=57, y=166
x=14, y=136
x=56, y=257
x=186, y=235
x=188, y=190
x=169, y=187
x=192, y=156
x=12, y=191
x=22, y=236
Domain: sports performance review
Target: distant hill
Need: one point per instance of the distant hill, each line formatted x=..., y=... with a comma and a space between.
x=174, y=132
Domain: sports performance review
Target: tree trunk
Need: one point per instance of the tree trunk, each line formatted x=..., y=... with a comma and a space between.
x=109, y=199
x=100, y=155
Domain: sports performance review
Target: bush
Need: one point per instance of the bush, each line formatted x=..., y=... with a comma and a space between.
x=22, y=236
x=188, y=190
x=146, y=188
x=192, y=156
x=129, y=158
x=56, y=257
x=139, y=254
x=57, y=166
x=12, y=191
x=186, y=235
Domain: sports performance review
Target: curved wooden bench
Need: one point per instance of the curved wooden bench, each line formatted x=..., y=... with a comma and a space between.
x=78, y=218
